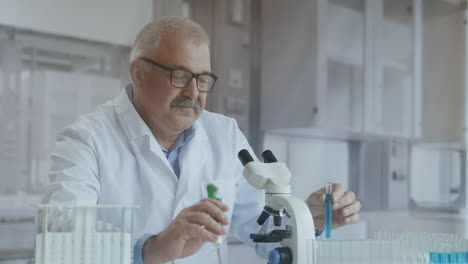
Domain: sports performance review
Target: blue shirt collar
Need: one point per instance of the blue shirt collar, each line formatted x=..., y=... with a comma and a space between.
x=181, y=141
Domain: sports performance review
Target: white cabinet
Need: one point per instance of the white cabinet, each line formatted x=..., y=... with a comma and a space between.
x=381, y=176
x=443, y=73
x=437, y=176
x=334, y=65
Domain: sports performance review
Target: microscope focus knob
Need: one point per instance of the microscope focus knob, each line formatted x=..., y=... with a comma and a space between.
x=281, y=255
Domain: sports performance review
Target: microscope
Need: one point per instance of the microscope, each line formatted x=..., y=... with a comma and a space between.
x=274, y=177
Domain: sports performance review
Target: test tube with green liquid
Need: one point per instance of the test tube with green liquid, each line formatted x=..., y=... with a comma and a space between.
x=212, y=193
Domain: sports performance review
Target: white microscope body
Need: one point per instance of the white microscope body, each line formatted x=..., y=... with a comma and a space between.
x=274, y=178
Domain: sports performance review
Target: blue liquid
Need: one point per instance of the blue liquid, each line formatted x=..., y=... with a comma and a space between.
x=452, y=257
x=328, y=215
x=462, y=257
x=433, y=258
x=444, y=258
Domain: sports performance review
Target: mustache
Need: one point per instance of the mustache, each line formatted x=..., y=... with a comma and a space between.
x=185, y=102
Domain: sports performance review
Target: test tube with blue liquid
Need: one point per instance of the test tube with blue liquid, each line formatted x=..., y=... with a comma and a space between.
x=328, y=210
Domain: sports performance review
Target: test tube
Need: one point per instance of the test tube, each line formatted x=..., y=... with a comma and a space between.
x=328, y=210
x=212, y=191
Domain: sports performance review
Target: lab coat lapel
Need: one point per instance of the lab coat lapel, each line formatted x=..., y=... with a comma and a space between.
x=192, y=160
x=157, y=151
x=137, y=129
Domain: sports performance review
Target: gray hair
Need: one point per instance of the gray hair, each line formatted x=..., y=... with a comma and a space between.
x=150, y=36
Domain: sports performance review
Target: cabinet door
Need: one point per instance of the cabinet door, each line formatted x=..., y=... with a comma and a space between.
x=390, y=86
x=443, y=72
x=289, y=96
x=312, y=64
x=341, y=37
x=437, y=176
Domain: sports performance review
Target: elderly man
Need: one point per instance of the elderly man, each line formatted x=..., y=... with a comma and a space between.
x=155, y=146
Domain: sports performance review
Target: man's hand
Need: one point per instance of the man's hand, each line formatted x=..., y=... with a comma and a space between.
x=345, y=207
x=186, y=234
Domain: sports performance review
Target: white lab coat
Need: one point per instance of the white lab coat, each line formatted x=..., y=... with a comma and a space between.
x=111, y=157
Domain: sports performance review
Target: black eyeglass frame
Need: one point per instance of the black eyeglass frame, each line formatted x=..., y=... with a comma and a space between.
x=171, y=70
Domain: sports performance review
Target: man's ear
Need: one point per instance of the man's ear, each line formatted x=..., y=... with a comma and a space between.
x=136, y=72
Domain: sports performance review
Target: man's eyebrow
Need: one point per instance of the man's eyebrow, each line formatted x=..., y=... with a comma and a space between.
x=180, y=67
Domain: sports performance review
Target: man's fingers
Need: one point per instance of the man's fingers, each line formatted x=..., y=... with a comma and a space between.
x=205, y=220
x=219, y=204
x=339, y=220
x=345, y=206
x=351, y=209
x=338, y=192
x=318, y=197
x=213, y=208
x=348, y=198
x=352, y=219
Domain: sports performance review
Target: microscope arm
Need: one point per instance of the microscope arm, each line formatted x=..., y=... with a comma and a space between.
x=302, y=225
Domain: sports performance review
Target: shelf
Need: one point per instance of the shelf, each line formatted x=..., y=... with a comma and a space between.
x=332, y=134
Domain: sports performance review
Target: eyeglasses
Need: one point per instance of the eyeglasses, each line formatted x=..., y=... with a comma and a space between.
x=182, y=78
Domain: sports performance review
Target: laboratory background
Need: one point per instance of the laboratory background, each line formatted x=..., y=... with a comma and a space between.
x=370, y=94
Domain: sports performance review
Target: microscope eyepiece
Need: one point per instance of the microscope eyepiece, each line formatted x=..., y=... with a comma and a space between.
x=244, y=157
x=268, y=157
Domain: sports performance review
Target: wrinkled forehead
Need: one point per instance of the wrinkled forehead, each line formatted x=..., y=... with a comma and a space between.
x=178, y=49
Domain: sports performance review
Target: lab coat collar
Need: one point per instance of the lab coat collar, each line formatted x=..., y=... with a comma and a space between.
x=137, y=128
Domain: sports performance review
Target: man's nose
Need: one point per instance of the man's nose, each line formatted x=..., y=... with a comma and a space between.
x=191, y=90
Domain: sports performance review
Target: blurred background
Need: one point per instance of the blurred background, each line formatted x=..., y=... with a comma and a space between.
x=367, y=93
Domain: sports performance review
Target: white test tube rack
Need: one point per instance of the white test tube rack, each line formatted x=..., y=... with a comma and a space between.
x=386, y=248
x=75, y=234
